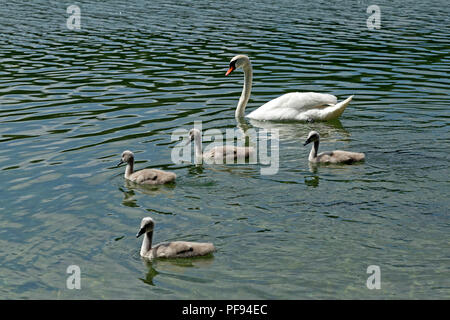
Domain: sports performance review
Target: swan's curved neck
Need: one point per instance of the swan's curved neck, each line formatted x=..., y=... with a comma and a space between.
x=146, y=243
x=129, y=168
x=198, y=148
x=245, y=95
x=314, y=149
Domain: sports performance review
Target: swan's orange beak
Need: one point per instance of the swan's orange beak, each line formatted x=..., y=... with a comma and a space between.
x=230, y=70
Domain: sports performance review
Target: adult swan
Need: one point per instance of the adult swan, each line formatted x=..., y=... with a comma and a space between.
x=290, y=106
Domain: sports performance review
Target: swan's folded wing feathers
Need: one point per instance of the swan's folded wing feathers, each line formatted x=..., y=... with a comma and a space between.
x=152, y=176
x=348, y=156
x=310, y=100
x=162, y=250
x=238, y=151
x=182, y=249
x=175, y=249
x=144, y=176
x=325, y=157
x=291, y=105
x=339, y=156
x=219, y=153
x=301, y=101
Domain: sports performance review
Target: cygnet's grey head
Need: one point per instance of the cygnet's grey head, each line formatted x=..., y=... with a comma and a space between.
x=313, y=136
x=127, y=157
x=237, y=62
x=193, y=133
x=147, y=225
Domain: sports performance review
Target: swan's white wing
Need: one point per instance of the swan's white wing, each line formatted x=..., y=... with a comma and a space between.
x=291, y=105
x=301, y=101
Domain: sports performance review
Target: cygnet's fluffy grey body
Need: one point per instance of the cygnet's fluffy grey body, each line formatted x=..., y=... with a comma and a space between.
x=144, y=176
x=174, y=249
x=334, y=157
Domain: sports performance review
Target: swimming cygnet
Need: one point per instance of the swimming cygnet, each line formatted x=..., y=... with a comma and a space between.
x=219, y=153
x=145, y=176
x=175, y=249
x=336, y=156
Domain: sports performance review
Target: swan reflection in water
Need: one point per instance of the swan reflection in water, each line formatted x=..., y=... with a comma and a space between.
x=296, y=130
x=152, y=190
x=174, y=268
x=312, y=180
x=129, y=189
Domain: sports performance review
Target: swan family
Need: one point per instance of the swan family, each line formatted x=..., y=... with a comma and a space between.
x=307, y=106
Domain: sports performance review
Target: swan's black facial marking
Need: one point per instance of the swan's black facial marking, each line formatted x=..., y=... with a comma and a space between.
x=232, y=67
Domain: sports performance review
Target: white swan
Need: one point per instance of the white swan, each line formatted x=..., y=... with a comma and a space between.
x=335, y=157
x=144, y=176
x=290, y=106
x=174, y=249
x=218, y=154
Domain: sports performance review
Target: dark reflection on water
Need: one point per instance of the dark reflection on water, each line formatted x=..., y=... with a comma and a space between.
x=175, y=267
x=72, y=101
x=312, y=181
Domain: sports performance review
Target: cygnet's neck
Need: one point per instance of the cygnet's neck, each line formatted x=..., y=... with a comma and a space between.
x=146, y=243
x=314, y=149
x=245, y=95
x=198, y=148
x=129, y=168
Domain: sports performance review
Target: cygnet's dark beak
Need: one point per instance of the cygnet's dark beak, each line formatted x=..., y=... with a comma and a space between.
x=120, y=163
x=140, y=233
x=188, y=140
x=307, y=141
